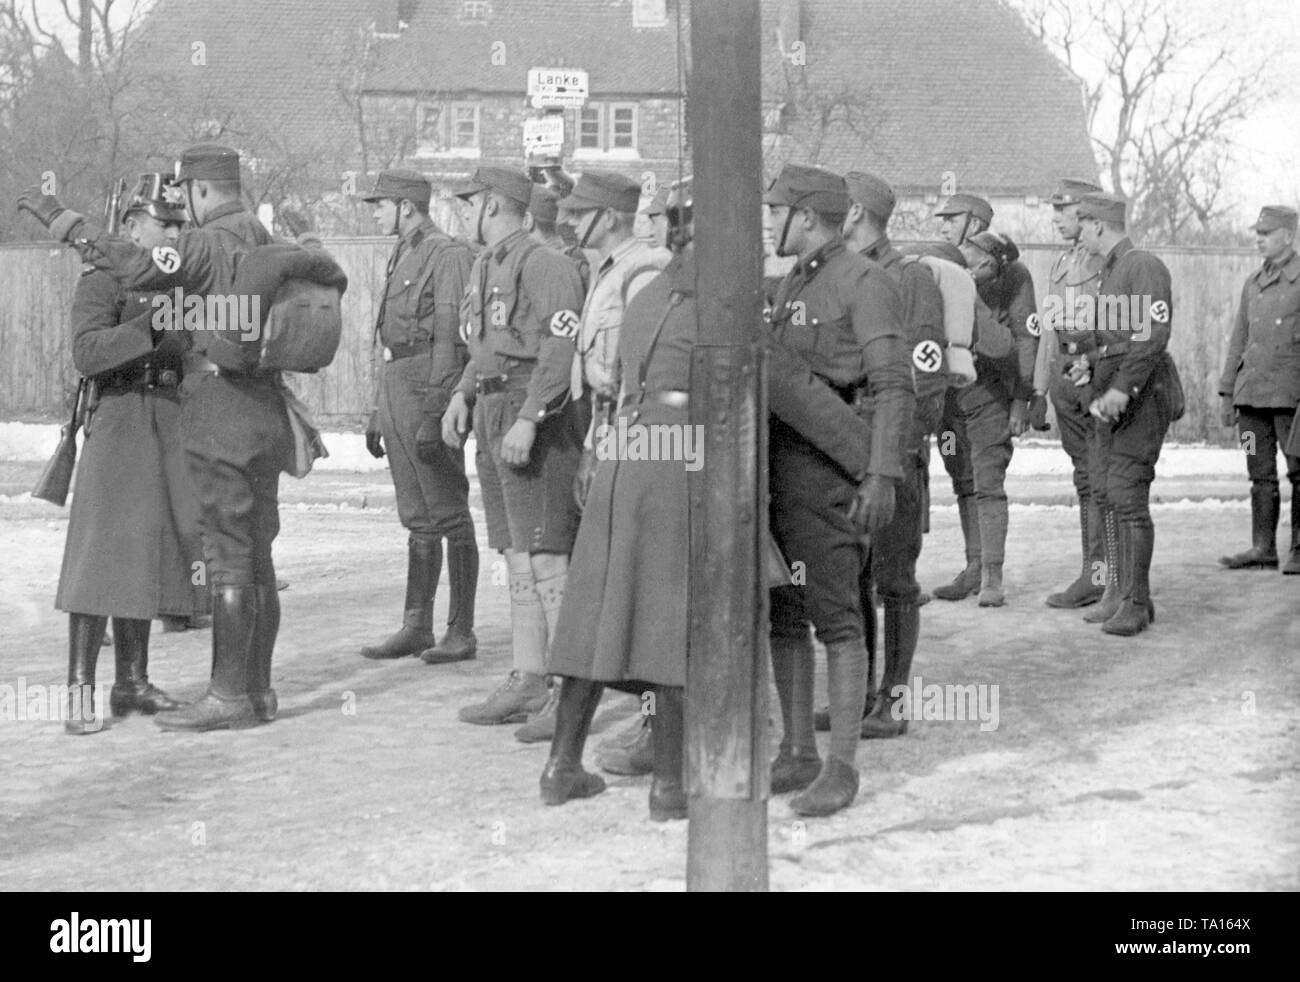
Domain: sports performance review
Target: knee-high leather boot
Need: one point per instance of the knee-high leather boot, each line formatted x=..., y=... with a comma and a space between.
x=1135, y=612
x=837, y=784
x=226, y=703
x=260, y=694
x=797, y=762
x=1265, y=511
x=132, y=692
x=85, y=636
x=1292, y=565
x=968, y=580
x=1111, y=596
x=563, y=777
x=668, y=787
x=459, y=643
x=1083, y=592
x=423, y=567
x=902, y=630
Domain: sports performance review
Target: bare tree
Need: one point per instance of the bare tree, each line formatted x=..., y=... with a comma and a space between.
x=1161, y=141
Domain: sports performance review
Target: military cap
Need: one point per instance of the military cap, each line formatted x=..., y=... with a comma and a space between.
x=963, y=204
x=506, y=181
x=543, y=205
x=658, y=205
x=1071, y=191
x=799, y=186
x=871, y=192
x=399, y=184
x=602, y=189
x=1103, y=206
x=1273, y=217
x=208, y=162
x=998, y=246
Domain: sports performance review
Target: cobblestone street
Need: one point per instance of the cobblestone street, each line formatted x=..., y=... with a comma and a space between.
x=1167, y=762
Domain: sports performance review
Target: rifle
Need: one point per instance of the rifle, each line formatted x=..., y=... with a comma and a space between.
x=53, y=484
x=56, y=478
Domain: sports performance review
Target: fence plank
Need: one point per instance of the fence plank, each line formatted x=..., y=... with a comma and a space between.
x=36, y=283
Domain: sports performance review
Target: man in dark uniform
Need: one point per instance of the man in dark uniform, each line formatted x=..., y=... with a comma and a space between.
x=132, y=534
x=962, y=216
x=1260, y=385
x=542, y=222
x=234, y=426
x=1133, y=384
x=896, y=548
x=842, y=314
x=1065, y=319
x=423, y=358
x=519, y=320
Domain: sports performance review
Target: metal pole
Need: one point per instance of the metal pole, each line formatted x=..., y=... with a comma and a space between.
x=727, y=686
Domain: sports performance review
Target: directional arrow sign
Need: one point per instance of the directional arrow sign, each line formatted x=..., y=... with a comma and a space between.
x=544, y=137
x=557, y=87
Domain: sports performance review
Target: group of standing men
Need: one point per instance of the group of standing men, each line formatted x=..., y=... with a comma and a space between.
x=536, y=339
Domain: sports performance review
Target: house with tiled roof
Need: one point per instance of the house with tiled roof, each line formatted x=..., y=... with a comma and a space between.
x=935, y=97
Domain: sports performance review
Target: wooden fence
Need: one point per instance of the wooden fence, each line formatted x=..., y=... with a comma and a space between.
x=36, y=283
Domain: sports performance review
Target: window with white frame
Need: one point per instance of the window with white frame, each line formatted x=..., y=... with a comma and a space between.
x=449, y=128
x=608, y=127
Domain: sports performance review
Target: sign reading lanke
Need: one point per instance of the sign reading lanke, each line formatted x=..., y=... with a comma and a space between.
x=557, y=88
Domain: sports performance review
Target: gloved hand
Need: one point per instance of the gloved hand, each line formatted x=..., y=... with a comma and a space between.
x=1038, y=412
x=374, y=439
x=43, y=207
x=1019, y=417
x=1227, y=411
x=873, y=504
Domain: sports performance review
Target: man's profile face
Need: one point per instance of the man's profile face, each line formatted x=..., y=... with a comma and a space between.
x=951, y=227
x=1065, y=219
x=1274, y=245
x=147, y=232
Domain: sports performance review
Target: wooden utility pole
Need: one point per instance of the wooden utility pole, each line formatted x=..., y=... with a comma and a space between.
x=726, y=678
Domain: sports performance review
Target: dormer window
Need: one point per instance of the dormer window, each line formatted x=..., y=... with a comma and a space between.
x=475, y=11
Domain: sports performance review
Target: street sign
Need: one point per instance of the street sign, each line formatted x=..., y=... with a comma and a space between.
x=544, y=136
x=557, y=88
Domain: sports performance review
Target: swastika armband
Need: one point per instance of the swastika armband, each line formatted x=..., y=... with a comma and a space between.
x=927, y=356
x=167, y=259
x=564, y=324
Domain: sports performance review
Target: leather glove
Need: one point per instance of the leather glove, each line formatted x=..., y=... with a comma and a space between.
x=872, y=506
x=45, y=208
x=1038, y=412
x=1227, y=412
x=1019, y=417
x=374, y=440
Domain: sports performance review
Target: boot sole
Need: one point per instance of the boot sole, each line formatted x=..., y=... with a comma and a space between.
x=1072, y=604
x=515, y=718
x=447, y=659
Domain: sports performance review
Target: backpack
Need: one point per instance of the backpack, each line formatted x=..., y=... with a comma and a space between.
x=302, y=331
x=958, y=292
x=299, y=291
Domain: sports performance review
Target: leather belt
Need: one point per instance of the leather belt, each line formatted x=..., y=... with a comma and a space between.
x=146, y=378
x=399, y=351
x=196, y=363
x=490, y=384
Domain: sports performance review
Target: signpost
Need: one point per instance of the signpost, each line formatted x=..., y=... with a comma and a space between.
x=543, y=136
x=727, y=665
x=557, y=88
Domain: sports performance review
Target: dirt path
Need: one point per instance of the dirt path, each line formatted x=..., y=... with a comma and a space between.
x=1170, y=762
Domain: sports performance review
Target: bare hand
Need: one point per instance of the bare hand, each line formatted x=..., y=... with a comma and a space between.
x=1110, y=405
x=518, y=442
x=455, y=421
